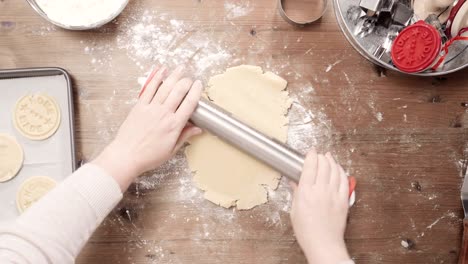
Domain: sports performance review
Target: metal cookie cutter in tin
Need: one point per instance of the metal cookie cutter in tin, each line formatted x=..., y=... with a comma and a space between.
x=302, y=13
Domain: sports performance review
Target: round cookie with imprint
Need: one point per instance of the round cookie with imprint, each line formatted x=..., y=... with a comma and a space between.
x=36, y=116
x=11, y=157
x=33, y=189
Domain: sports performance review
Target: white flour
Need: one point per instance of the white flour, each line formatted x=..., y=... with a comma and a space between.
x=237, y=9
x=80, y=12
x=155, y=38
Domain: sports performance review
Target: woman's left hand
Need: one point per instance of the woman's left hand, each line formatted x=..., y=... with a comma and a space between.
x=155, y=129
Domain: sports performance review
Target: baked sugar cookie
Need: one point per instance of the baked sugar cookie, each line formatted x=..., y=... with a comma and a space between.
x=36, y=116
x=33, y=189
x=11, y=157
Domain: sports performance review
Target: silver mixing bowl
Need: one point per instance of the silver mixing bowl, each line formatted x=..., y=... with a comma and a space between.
x=36, y=8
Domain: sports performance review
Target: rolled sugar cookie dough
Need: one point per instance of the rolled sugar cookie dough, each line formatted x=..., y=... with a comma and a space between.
x=11, y=157
x=36, y=116
x=33, y=189
x=228, y=176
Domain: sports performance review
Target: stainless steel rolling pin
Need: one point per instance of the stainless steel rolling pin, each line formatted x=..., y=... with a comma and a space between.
x=272, y=152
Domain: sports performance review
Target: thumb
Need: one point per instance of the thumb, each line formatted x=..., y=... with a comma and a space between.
x=188, y=132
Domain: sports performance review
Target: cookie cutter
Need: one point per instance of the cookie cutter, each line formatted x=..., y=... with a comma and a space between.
x=296, y=22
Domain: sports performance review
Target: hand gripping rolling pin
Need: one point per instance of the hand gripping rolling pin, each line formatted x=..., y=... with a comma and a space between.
x=217, y=121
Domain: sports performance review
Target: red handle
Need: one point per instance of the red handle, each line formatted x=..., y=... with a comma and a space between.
x=148, y=80
x=463, y=258
x=352, y=185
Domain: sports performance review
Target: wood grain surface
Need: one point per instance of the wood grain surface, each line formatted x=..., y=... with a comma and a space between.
x=403, y=138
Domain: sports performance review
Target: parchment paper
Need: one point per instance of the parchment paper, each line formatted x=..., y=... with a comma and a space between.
x=51, y=157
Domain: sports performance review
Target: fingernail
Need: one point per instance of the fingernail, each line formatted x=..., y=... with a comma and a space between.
x=162, y=71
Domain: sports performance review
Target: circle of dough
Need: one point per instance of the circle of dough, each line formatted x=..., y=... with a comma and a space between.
x=36, y=116
x=11, y=157
x=33, y=189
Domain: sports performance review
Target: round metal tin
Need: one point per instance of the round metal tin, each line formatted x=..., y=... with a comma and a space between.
x=367, y=45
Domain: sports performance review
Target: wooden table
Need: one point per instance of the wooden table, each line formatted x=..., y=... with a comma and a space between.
x=403, y=138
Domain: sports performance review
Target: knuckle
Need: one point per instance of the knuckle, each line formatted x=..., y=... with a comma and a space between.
x=190, y=100
x=185, y=82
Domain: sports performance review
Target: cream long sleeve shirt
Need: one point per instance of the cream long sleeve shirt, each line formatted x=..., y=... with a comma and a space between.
x=55, y=229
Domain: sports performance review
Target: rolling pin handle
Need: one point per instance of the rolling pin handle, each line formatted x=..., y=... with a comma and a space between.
x=463, y=257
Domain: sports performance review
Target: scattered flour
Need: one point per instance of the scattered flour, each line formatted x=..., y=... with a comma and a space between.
x=379, y=116
x=307, y=128
x=155, y=39
x=448, y=214
x=237, y=9
x=404, y=244
x=43, y=30
x=329, y=67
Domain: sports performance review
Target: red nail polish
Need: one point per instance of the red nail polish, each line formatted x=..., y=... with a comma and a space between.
x=148, y=80
x=352, y=185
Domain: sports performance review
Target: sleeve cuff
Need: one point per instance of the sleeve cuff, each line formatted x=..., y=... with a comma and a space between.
x=98, y=188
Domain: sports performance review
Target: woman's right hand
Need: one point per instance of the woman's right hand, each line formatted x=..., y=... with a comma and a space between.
x=320, y=208
x=155, y=128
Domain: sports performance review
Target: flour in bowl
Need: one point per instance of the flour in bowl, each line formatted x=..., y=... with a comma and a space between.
x=81, y=13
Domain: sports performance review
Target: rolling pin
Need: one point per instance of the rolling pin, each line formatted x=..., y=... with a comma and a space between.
x=268, y=150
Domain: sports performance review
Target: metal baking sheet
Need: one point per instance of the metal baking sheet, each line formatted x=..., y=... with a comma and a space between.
x=53, y=157
x=366, y=46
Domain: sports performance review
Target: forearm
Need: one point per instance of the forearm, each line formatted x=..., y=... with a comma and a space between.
x=57, y=227
x=332, y=254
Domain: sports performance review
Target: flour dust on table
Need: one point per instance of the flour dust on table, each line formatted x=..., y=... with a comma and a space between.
x=228, y=176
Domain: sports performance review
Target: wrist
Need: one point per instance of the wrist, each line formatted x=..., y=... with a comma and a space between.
x=119, y=166
x=327, y=254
